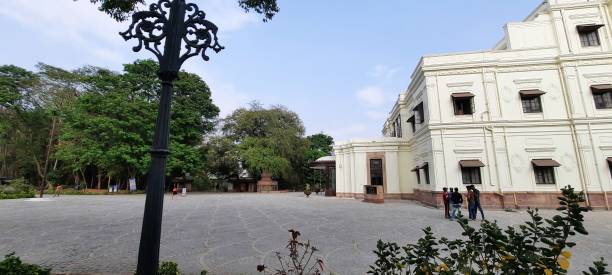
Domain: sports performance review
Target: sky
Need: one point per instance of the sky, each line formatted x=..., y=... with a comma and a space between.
x=339, y=64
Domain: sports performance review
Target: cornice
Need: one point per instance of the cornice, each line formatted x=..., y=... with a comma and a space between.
x=577, y=5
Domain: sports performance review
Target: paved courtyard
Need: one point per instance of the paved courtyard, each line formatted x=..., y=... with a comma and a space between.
x=232, y=233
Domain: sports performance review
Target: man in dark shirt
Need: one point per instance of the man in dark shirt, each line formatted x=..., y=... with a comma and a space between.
x=477, y=205
x=456, y=201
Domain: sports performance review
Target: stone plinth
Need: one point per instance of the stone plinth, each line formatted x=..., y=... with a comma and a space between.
x=266, y=184
x=373, y=193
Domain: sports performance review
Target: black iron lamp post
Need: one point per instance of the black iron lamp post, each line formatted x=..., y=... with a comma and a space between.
x=173, y=22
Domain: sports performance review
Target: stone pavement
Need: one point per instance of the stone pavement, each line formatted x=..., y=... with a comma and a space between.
x=232, y=233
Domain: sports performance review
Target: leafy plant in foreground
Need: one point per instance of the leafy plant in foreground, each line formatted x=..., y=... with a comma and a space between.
x=539, y=246
x=168, y=268
x=300, y=262
x=12, y=265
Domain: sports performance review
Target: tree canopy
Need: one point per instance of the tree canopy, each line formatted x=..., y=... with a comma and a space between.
x=120, y=10
x=96, y=123
x=276, y=133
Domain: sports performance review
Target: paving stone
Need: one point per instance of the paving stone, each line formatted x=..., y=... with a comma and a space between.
x=232, y=233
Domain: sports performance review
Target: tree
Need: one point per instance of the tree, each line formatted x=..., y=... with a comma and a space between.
x=277, y=130
x=111, y=126
x=259, y=156
x=15, y=85
x=120, y=10
x=31, y=107
x=319, y=145
x=222, y=157
x=192, y=116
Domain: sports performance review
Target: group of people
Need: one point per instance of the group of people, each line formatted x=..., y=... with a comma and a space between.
x=453, y=201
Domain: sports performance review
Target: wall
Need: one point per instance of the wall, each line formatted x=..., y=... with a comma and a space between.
x=544, y=53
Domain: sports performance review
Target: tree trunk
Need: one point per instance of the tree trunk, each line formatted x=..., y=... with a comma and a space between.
x=99, y=180
x=84, y=178
x=44, y=169
x=109, y=181
x=4, y=168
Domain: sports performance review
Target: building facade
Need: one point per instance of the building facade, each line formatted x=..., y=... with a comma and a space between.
x=519, y=121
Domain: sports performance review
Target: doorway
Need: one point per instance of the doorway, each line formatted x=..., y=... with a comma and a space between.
x=376, y=171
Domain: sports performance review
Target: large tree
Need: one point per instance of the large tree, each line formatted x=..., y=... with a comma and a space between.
x=275, y=132
x=32, y=105
x=95, y=123
x=112, y=124
x=222, y=157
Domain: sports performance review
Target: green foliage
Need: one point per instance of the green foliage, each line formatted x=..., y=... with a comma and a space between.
x=319, y=145
x=266, y=7
x=259, y=156
x=269, y=139
x=540, y=246
x=16, y=189
x=201, y=183
x=599, y=268
x=12, y=265
x=13, y=83
x=168, y=268
x=95, y=122
x=121, y=10
x=222, y=157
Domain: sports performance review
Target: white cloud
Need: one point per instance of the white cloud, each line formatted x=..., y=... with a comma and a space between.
x=76, y=21
x=227, y=15
x=372, y=96
x=79, y=26
x=384, y=71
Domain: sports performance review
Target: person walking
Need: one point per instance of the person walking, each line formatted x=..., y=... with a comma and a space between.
x=446, y=199
x=477, y=205
x=174, y=191
x=58, y=191
x=456, y=201
x=471, y=203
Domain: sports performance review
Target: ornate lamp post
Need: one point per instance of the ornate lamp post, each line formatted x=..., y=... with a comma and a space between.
x=173, y=22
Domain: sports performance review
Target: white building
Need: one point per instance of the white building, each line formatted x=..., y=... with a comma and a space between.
x=519, y=121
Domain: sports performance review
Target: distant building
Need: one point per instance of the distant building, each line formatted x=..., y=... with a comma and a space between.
x=519, y=121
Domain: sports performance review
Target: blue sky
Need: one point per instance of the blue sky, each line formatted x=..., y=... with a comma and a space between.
x=339, y=64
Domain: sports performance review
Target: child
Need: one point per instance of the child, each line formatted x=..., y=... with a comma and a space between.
x=174, y=191
x=58, y=191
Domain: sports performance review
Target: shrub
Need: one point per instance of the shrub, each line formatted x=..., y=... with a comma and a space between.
x=12, y=265
x=168, y=268
x=540, y=246
x=16, y=189
x=299, y=262
x=202, y=183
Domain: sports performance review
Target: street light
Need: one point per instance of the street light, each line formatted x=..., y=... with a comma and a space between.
x=175, y=22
